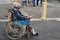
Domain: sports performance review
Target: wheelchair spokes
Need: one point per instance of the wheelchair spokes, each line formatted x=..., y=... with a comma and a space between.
x=12, y=32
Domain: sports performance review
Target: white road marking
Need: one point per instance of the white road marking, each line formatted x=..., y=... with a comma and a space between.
x=4, y=20
x=57, y=19
x=35, y=19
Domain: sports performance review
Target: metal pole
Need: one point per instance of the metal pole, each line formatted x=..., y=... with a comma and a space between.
x=44, y=10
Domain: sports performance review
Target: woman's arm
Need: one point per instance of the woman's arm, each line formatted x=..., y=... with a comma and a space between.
x=10, y=16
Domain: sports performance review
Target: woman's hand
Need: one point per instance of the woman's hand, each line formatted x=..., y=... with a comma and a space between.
x=31, y=16
x=9, y=19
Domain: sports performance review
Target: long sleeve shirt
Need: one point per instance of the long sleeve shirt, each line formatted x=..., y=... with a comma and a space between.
x=18, y=15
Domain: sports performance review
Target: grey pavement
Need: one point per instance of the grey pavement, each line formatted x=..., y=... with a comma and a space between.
x=53, y=10
x=6, y=1
x=48, y=30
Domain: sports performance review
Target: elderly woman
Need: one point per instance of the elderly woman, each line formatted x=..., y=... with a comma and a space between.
x=18, y=18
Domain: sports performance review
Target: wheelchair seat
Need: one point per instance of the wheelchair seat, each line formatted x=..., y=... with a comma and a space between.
x=20, y=23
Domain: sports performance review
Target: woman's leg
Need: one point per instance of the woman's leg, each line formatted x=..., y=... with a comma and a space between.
x=34, y=3
x=30, y=29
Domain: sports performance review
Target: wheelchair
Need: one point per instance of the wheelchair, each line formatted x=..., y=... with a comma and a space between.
x=16, y=30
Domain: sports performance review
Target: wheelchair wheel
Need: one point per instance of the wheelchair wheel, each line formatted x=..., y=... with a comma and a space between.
x=28, y=35
x=12, y=33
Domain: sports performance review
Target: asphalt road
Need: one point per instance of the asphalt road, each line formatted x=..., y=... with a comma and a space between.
x=48, y=30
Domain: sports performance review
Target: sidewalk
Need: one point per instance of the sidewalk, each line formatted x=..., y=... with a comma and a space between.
x=53, y=10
